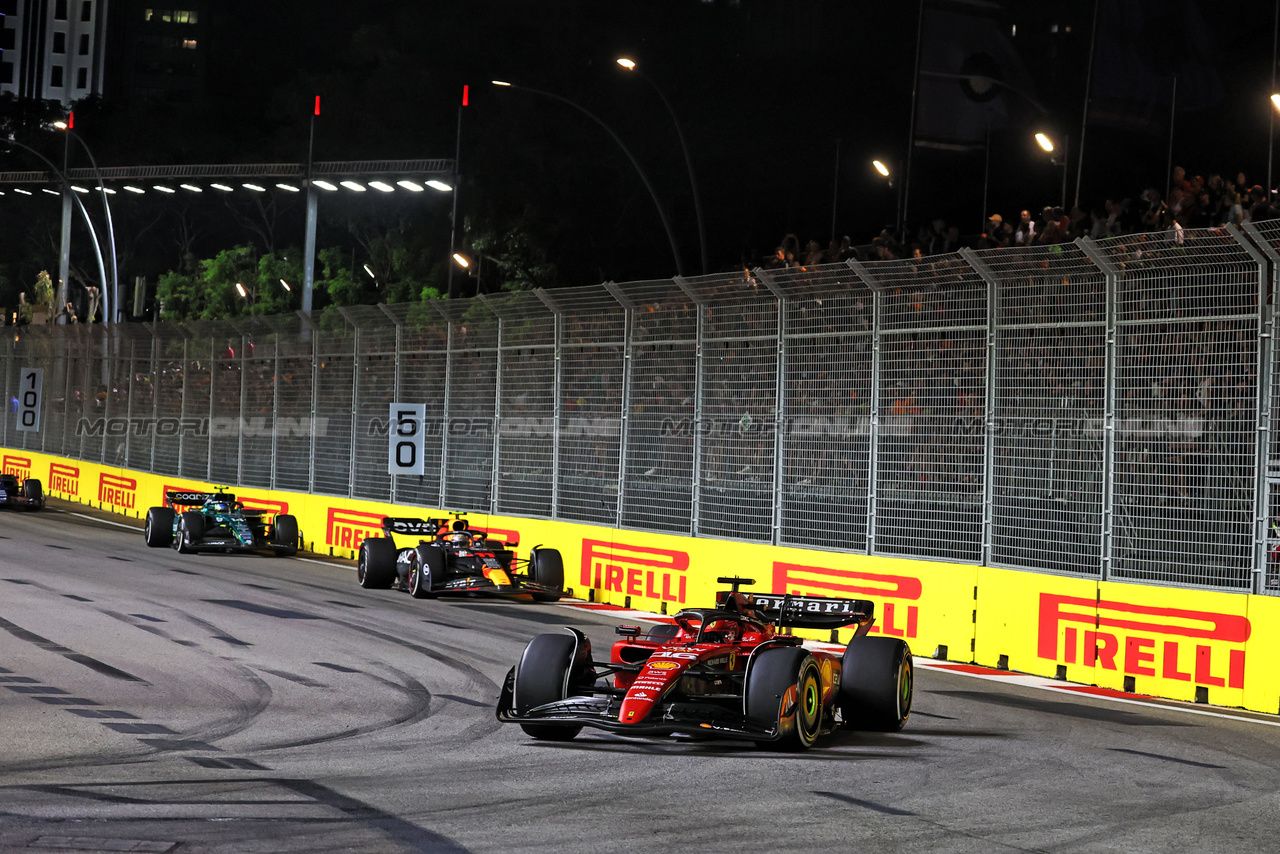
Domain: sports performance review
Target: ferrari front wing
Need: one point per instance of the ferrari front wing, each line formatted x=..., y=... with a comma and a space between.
x=669, y=718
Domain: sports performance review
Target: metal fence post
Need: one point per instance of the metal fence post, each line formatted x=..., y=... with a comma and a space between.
x=629, y=318
x=873, y=448
x=155, y=389
x=696, y=514
x=989, y=406
x=314, y=340
x=1265, y=357
x=355, y=399
x=444, y=427
x=395, y=380
x=555, y=398
x=1090, y=248
x=779, y=402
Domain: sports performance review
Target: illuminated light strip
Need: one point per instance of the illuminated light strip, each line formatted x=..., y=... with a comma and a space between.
x=223, y=187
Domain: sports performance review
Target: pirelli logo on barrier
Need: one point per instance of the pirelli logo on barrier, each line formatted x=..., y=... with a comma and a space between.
x=19, y=466
x=119, y=492
x=635, y=570
x=347, y=529
x=1204, y=647
x=896, y=615
x=64, y=479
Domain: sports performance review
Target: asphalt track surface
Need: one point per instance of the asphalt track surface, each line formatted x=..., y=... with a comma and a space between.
x=151, y=701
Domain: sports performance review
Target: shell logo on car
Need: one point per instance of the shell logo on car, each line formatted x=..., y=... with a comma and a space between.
x=663, y=665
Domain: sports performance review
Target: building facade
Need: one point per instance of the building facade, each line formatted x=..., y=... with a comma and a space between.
x=53, y=49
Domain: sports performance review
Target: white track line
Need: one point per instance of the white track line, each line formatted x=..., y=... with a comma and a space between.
x=95, y=519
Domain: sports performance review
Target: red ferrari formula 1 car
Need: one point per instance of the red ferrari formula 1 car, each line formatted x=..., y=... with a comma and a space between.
x=725, y=671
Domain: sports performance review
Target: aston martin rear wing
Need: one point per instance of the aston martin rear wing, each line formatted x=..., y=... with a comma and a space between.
x=196, y=499
x=813, y=612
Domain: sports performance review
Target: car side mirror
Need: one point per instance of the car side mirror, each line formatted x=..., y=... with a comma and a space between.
x=511, y=544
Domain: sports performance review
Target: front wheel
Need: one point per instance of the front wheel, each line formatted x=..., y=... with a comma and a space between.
x=877, y=679
x=376, y=568
x=783, y=692
x=546, y=566
x=158, y=531
x=190, y=532
x=426, y=569
x=543, y=676
x=284, y=532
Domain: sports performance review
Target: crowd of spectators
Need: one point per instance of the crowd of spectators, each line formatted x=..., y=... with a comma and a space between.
x=1190, y=201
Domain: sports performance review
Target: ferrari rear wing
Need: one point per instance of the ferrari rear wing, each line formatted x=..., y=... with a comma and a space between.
x=195, y=499
x=813, y=612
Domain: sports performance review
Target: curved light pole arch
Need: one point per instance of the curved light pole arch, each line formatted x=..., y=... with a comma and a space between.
x=630, y=65
x=662, y=212
x=93, y=233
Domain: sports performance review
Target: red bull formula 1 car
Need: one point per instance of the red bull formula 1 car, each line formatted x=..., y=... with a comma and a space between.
x=725, y=671
x=25, y=495
x=455, y=558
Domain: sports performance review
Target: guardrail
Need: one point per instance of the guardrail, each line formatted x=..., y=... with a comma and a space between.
x=1093, y=409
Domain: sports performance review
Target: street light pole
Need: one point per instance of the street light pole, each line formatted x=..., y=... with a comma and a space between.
x=630, y=65
x=93, y=234
x=107, y=304
x=662, y=213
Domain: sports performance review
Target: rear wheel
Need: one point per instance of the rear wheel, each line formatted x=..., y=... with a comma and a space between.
x=784, y=691
x=546, y=567
x=376, y=568
x=158, y=531
x=190, y=532
x=284, y=532
x=426, y=570
x=32, y=490
x=876, y=684
x=544, y=675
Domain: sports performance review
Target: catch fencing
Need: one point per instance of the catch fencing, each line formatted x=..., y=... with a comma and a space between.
x=1094, y=409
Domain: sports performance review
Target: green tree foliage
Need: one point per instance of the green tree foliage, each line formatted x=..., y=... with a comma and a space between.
x=42, y=297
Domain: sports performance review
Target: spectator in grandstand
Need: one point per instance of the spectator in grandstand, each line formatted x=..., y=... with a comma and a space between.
x=1155, y=214
x=1025, y=232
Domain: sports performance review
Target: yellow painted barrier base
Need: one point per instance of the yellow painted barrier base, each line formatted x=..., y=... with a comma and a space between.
x=1204, y=646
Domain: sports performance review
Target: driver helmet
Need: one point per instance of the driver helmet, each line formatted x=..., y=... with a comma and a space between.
x=221, y=507
x=724, y=631
x=458, y=538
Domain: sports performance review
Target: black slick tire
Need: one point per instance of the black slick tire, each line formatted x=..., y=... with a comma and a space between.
x=544, y=675
x=157, y=532
x=376, y=566
x=190, y=532
x=33, y=490
x=284, y=533
x=877, y=679
x=427, y=570
x=784, y=690
x=546, y=566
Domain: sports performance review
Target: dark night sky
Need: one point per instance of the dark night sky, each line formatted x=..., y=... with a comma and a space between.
x=764, y=90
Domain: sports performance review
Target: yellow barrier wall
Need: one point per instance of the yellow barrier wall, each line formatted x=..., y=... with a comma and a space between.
x=1167, y=642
